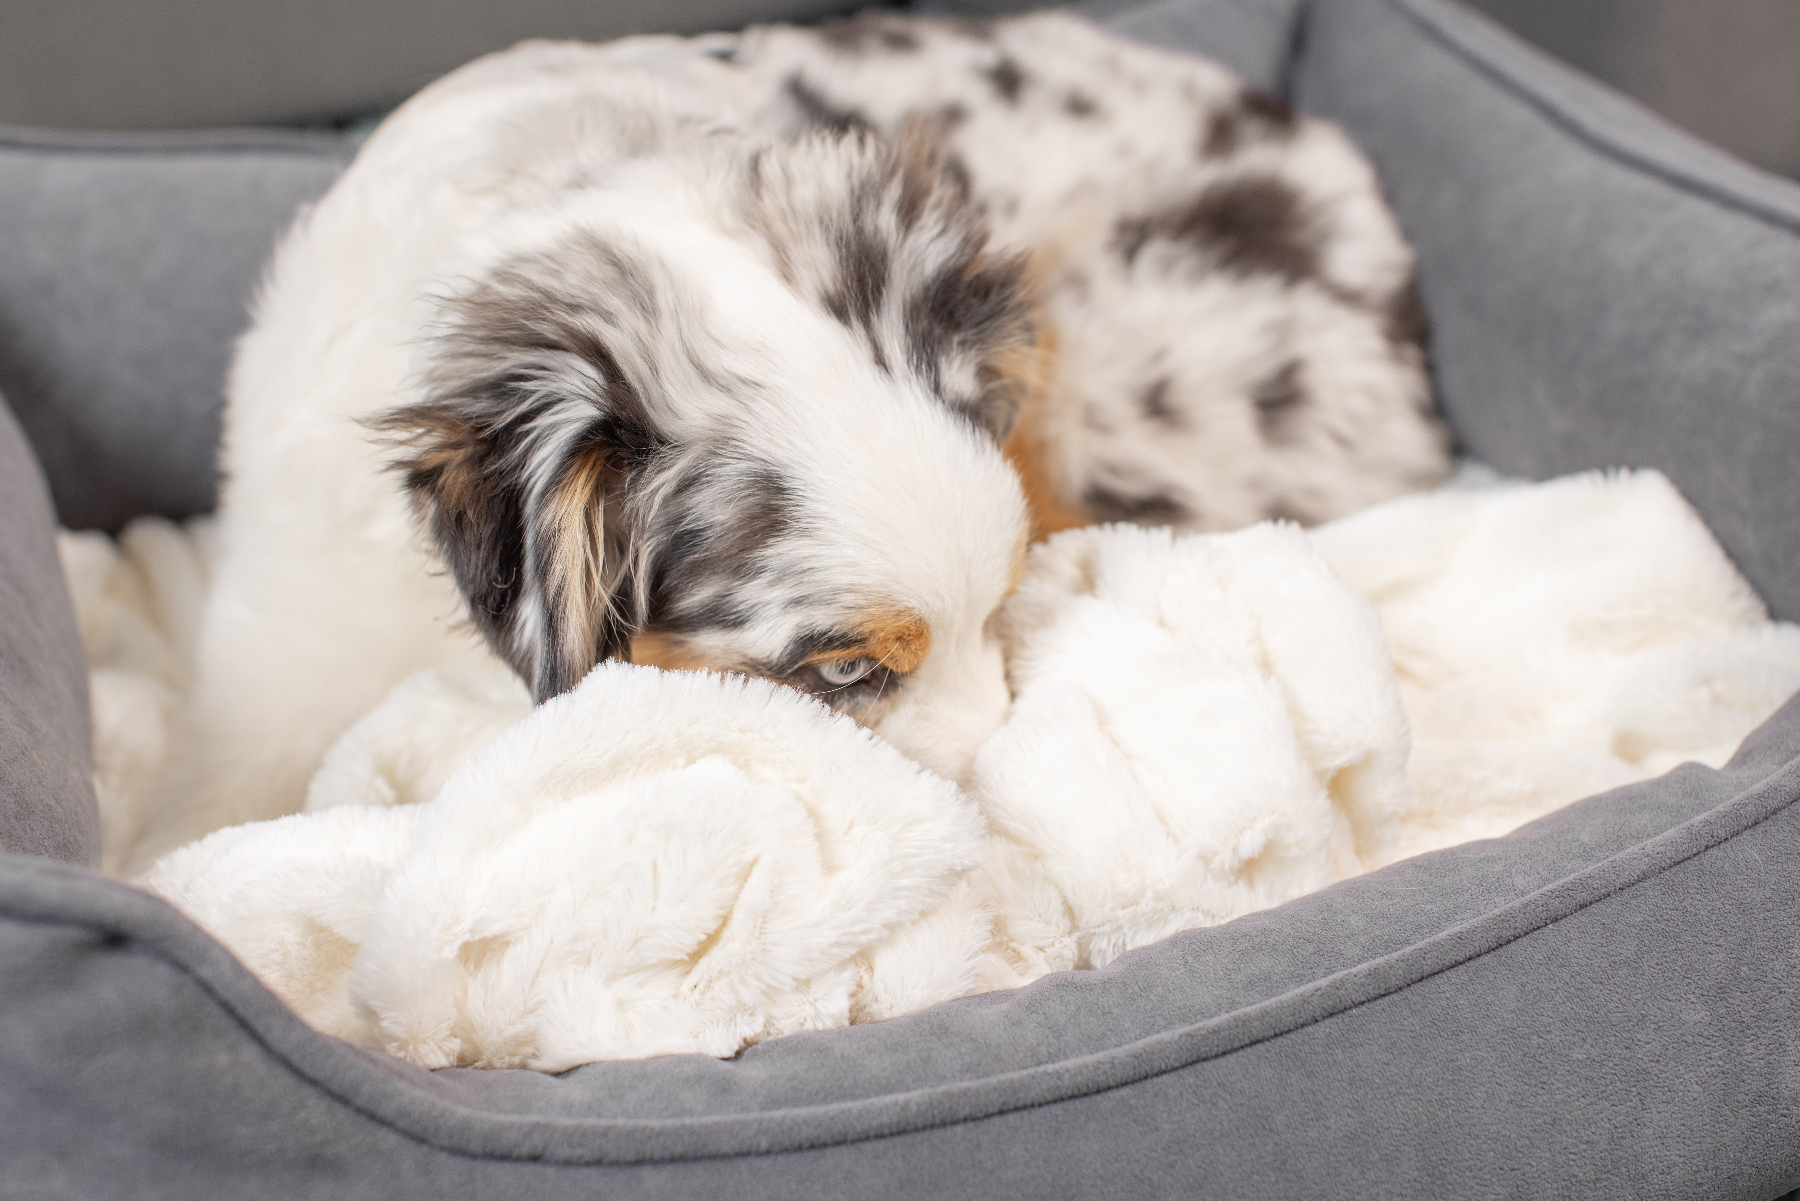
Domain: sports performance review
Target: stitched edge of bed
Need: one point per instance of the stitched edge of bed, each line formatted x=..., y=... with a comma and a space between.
x=474, y=1133
x=183, y=143
x=1643, y=159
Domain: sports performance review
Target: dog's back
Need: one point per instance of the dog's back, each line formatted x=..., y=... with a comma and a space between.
x=1236, y=333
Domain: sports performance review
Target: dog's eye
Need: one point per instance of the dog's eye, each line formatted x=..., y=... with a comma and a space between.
x=844, y=672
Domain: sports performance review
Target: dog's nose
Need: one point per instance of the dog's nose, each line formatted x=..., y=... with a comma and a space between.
x=950, y=708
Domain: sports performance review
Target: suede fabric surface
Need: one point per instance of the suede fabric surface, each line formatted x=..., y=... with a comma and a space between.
x=127, y=265
x=46, y=774
x=1604, y=290
x=178, y=63
x=1600, y=1005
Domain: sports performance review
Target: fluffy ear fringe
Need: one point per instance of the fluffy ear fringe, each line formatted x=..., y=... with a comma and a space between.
x=517, y=462
x=531, y=557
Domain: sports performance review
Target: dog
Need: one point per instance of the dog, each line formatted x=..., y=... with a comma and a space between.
x=769, y=353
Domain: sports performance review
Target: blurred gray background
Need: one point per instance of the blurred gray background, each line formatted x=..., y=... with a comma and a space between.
x=1728, y=70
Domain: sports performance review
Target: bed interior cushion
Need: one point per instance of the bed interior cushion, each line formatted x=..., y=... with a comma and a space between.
x=1255, y=38
x=46, y=786
x=127, y=269
x=1604, y=290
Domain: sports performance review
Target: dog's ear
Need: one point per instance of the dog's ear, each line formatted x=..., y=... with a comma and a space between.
x=884, y=235
x=520, y=456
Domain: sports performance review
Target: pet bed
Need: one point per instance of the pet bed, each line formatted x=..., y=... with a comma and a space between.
x=1600, y=1004
x=1202, y=726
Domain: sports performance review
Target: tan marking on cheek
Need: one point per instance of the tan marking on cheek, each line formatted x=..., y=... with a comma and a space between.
x=671, y=654
x=898, y=639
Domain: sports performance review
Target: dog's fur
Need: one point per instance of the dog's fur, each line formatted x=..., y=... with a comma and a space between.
x=1236, y=333
x=705, y=352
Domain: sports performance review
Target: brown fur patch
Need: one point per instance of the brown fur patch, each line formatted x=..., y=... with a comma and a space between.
x=1050, y=513
x=898, y=639
x=1024, y=447
x=1012, y=376
x=670, y=652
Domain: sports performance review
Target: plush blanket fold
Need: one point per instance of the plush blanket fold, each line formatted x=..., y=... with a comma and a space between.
x=1202, y=726
x=656, y=862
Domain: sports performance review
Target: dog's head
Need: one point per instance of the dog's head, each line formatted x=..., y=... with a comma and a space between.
x=741, y=415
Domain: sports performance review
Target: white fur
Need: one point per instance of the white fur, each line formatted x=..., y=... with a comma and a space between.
x=1204, y=726
x=326, y=595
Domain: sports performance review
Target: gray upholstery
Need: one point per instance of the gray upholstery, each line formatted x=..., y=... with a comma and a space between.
x=158, y=64
x=1603, y=289
x=46, y=787
x=126, y=269
x=1723, y=69
x=1600, y=1005
x=1255, y=38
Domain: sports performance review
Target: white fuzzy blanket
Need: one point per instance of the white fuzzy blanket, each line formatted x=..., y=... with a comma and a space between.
x=1203, y=726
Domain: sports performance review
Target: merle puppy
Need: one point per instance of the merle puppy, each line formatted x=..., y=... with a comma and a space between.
x=767, y=353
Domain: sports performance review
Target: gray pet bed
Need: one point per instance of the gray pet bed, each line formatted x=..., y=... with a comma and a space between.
x=1602, y=1004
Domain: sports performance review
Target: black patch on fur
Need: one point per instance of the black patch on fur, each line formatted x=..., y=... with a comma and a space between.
x=863, y=260
x=1079, y=104
x=819, y=111
x=709, y=537
x=955, y=173
x=1254, y=116
x=1106, y=504
x=809, y=643
x=1007, y=77
x=1270, y=109
x=1279, y=401
x=968, y=307
x=867, y=31
x=1220, y=136
x=1254, y=225
x=724, y=54
x=1403, y=318
x=972, y=306
x=976, y=29
x=1154, y=403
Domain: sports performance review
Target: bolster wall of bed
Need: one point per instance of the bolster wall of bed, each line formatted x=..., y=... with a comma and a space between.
x=1598, y=1005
